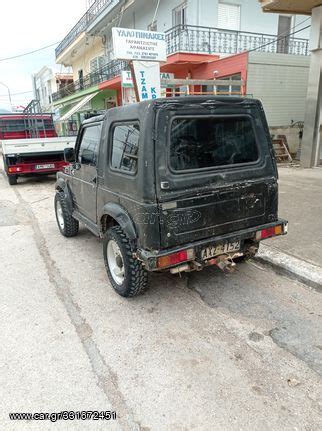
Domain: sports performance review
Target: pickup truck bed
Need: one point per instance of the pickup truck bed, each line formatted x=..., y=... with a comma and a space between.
x=34, y=156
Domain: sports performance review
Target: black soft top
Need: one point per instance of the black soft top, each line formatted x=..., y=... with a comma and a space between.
x=168, y=101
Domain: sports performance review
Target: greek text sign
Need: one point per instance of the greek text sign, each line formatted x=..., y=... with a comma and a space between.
x=132, y=44
x=147, y=75
x=128, y=82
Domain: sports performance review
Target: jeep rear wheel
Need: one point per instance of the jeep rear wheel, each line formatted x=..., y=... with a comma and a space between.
x=126, y=274
x=67, y=225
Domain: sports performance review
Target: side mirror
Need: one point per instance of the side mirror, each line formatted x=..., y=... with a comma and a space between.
x=69, y=155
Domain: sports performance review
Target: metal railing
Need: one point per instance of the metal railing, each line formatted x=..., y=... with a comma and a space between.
x=109, y=71
x=90, y=15
x=192, y=39
x=197, y=39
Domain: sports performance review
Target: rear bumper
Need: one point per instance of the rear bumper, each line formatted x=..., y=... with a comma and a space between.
x=150, y=259
x=33, y=168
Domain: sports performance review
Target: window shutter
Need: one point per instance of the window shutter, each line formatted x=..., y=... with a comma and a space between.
x=229, y=16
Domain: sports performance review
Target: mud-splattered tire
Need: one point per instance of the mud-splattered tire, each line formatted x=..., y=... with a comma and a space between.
x=12, y=180
x=126, y=274
x=67, y=225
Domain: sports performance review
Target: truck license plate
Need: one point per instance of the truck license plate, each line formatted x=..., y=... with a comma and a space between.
x=46, y=166
x=216, y=250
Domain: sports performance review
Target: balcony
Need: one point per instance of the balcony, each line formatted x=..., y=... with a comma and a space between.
x=88, y=18
x=208, y=40
x=199, y=40
x=109, y=71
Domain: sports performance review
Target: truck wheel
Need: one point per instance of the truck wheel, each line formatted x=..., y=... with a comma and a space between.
x=12, y=180
x=68, y=226
x=126, y=274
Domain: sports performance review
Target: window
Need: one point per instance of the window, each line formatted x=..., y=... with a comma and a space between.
x=88, y=150
x=125, y=147
x=179, y=15
x=228, y=16
x=206, y=142
x=97, y=63
x=230, y=89
x=283, y=33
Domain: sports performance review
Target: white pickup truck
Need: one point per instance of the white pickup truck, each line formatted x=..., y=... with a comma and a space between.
x=34, y=156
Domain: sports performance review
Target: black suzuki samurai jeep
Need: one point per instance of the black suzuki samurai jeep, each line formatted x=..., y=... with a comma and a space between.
x=172, y=184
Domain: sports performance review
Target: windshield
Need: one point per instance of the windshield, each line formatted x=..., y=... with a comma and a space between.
x=197, y=143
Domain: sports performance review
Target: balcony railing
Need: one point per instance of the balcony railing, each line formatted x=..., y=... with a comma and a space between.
x=90, y=15
x=196, y=39
x=193, y=39
x=109, y=71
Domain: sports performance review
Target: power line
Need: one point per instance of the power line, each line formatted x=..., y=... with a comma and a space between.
x=56, y=43
x=28, y=53
x=277, y=39
x=283, y=35
x=15, y=94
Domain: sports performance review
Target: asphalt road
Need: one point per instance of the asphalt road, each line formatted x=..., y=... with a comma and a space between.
x=207, y=351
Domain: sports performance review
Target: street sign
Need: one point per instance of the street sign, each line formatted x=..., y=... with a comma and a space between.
x=127, y=80
x=147, y=75
x=131, y=44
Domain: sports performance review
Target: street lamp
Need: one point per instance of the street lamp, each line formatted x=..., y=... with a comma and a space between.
x=9, y=94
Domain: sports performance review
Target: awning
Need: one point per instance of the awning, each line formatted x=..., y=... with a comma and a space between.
x=290, y=7
x=78, y=106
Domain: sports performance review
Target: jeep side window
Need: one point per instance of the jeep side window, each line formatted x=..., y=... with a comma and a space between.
x=89, y=146
x=125, y=146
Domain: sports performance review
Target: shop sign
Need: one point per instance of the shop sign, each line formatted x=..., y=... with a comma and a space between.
x=147, y=74
x=127, y=81
x=130, y=44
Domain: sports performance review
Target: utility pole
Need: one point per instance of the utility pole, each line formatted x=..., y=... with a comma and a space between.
x=9, y=94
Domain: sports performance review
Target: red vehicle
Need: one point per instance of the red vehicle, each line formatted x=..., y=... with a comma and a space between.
x=24, y=126
x=30, y=145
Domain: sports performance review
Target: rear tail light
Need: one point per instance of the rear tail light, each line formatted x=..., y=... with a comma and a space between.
x=175, y=258
x=270, y=231
x=14, y=169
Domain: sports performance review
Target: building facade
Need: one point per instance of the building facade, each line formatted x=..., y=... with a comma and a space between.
x=200, y=35
x=45, y=83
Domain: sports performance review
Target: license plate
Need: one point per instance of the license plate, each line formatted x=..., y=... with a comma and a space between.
x=216, y=250
x=46, y=166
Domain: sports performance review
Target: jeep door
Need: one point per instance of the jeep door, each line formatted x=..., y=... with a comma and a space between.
x=85, y=178
x=215, y=172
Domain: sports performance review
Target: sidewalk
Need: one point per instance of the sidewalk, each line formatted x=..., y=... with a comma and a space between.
x=300, y=202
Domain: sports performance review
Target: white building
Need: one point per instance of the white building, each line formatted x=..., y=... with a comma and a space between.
x=45, y=83
x=228, y=39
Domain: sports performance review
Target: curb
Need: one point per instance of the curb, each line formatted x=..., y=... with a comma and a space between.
x=291, y=266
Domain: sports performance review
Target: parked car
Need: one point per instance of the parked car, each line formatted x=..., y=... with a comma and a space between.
x=173, y=184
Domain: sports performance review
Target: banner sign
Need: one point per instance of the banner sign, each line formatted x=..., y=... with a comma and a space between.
x=147, y=75
x=127, y=81
x=132, y=44
x=126, y=78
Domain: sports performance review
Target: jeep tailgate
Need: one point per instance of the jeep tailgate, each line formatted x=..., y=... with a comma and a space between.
x=199, y=203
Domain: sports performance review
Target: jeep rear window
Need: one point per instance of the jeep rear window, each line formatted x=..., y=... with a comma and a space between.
x=205, y=142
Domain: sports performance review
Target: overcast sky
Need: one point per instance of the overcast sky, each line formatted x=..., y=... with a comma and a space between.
x=27, y=25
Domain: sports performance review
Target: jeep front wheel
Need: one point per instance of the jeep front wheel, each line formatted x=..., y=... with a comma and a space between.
x=126, y=274
x=67, y=225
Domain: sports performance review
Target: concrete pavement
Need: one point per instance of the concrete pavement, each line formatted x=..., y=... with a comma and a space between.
x=205, y=351
x=299, y=253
